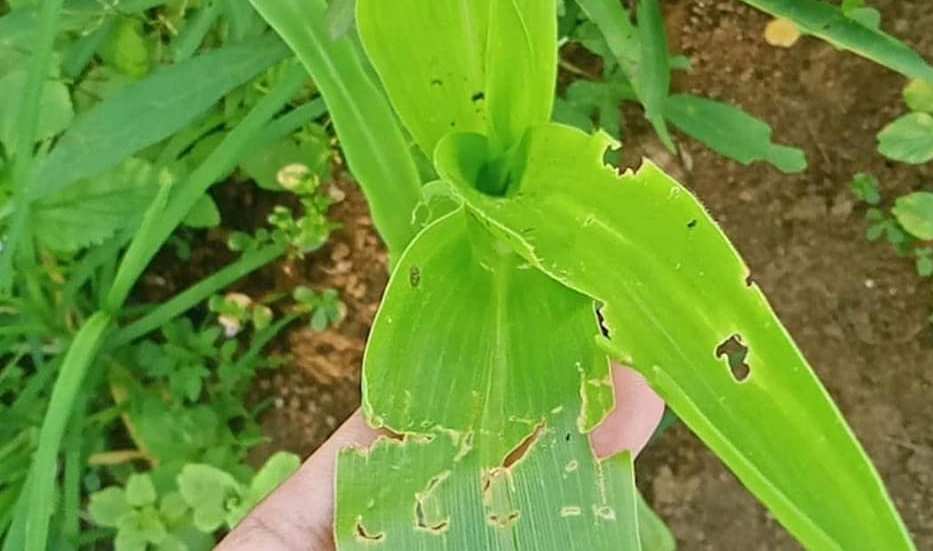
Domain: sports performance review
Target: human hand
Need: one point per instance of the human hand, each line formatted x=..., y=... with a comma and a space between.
x=299, y=515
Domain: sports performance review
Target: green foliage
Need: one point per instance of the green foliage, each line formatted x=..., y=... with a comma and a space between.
x=908, y=227
x=95, y=210
x=86, y=203
x=324, y=309
x=914, y=212
x=637, y=67
x=851, y=27
x=544, y=231
x=639, y=268
x=918, y=95
x=374, y=145
x=186, y=513
x=909, y=139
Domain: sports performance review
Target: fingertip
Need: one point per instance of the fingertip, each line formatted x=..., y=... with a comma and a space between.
x=637, y=413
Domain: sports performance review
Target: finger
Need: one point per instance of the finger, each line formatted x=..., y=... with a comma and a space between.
x=637, y=414
x=299, y=515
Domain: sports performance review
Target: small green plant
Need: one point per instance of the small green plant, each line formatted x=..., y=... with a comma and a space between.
x=201, y=500
x=907, y=224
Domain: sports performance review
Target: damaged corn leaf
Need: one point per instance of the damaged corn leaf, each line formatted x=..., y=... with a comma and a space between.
x=489, y=370
x=680, y=307
x=417, y=73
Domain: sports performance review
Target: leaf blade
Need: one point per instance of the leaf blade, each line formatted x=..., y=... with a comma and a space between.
x=831, y=24
x=417, y=72
x=645, y=247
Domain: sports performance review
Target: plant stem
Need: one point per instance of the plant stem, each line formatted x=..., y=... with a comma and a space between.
x=196, y=294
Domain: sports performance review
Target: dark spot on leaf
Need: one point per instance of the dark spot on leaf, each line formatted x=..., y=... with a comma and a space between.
x=692, y=224
x=504, y=521
x=437, y=82
x=567, y=438
x=421, y=518
x=479, y=96
x=414, y=277
x=735, y=352
x=523, y=448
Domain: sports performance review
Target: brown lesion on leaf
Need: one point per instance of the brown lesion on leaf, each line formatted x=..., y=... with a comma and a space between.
x=504, y=521
x=363, y=535
x=422, y=503
x=523, y=448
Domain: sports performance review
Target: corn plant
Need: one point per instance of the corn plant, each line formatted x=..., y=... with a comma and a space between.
x=525, y=264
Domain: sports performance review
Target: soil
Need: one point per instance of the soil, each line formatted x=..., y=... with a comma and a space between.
x=858, y=311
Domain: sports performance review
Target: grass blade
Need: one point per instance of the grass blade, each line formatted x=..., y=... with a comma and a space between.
x=42, y=478
x=196, y=294
x=158, y=107
x=158, y=226
x=654, y=70
x=829, y=23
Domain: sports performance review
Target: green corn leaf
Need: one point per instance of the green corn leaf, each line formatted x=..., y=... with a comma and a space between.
x=909, y=139
x=157, y=107
x=372, y=141
x=828, y=22
x=417, y=73
x=731, y=132
x=655, y=535
x=654, y=69
x=677, y=299
x=468, y=321
x=915, y=213
x=521, y=68
x=341, y=14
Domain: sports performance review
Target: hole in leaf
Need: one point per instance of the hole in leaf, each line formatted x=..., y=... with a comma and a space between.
x=523, y=448
x=363, y=535
x=735, y=353
x=421, y=517
x=414, y=277
x=602, y=322
x=504, y=521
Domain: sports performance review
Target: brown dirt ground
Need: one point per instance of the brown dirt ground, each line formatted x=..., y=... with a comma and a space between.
x=856, y=309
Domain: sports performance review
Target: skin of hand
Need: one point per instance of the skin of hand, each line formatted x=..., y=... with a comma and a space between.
x=299, y=515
